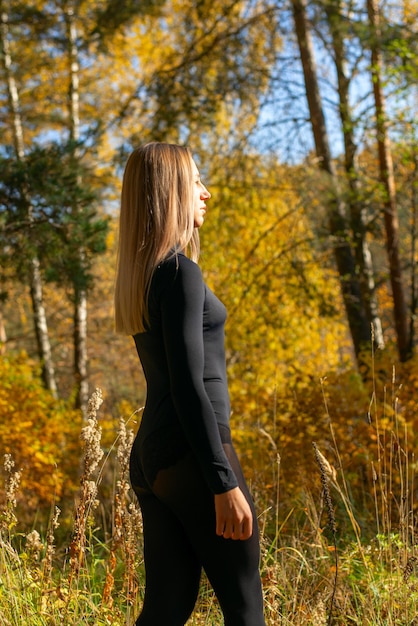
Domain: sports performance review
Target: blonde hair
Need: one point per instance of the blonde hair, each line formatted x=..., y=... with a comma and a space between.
x=156, y=218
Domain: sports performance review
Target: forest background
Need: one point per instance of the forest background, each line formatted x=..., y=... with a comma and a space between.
x=302, y=116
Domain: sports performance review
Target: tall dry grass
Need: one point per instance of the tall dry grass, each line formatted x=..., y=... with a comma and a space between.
x=91, y=581
x=316, y=570
x=328, y=571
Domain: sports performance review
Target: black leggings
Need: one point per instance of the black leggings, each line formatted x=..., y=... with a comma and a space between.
x=179, y=539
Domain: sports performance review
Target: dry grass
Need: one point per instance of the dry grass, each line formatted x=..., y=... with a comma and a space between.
x=314, y=573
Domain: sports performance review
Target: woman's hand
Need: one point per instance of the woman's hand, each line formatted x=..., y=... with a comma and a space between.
x=234, y=519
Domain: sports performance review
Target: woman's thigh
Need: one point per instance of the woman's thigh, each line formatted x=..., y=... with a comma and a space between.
x=172, y=570
x=231, y=566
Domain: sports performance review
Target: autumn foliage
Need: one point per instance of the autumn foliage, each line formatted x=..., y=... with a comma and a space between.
x=99, y=78
x=40, y=433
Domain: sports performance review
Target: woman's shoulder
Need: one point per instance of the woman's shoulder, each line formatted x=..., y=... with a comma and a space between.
x=178, y=268
x=176, y=263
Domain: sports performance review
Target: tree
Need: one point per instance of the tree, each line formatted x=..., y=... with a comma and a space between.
x=62, y=215
x=33, y=266
x=352, y=295
x=80, y=290
x=336, y=22
x=284, y=320
x=388, y=184
x=199, y=55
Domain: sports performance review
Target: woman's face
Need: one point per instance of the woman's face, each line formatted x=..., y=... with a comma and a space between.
x=200, y=194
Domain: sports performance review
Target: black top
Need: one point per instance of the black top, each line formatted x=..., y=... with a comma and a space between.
x=183, y=357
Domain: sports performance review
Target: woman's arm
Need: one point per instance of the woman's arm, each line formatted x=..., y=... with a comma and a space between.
x=182, y=305
x=182, y=319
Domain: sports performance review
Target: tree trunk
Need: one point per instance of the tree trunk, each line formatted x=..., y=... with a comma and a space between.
x=80, y=351
x=41, y=328
x=414, y=299
x=363, y=257
x=3, y=335
x=387, y=180
x=35, y=280
x=351, y=291
x=80, y=292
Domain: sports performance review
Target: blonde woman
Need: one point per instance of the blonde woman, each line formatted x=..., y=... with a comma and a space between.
x=196, y=508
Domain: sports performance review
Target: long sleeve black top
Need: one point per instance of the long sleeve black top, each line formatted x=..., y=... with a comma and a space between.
x=183, y=357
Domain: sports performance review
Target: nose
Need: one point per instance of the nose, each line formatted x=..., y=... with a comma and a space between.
x=205, y=195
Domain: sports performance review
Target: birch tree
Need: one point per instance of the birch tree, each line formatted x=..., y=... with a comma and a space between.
x=33, y=266
x=80, y=288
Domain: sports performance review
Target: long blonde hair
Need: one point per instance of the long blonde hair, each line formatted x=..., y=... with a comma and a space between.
x=156, y=217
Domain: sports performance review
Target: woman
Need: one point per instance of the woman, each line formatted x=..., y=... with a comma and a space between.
x=196, y=508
